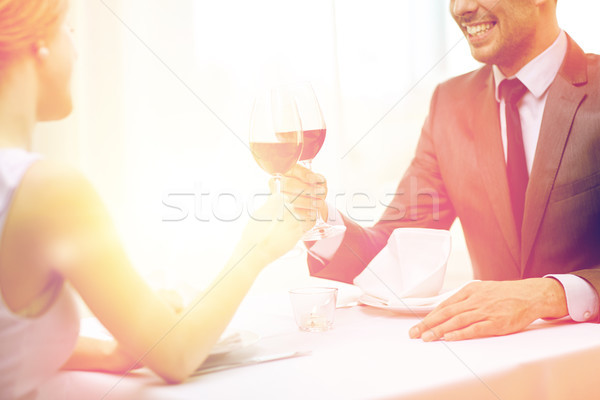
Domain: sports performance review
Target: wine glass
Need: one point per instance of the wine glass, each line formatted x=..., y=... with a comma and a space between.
x=276, y=132
x=314, y=129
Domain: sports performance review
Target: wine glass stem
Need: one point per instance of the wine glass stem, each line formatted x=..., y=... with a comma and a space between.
x=277, y=179
x=308, y=164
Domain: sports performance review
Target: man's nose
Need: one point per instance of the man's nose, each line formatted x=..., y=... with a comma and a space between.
x=463, y=7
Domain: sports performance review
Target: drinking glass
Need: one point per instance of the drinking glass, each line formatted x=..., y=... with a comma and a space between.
x=314, y=130
x=314, y=308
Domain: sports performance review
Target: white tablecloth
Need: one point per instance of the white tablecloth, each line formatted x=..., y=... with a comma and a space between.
x=368, y=355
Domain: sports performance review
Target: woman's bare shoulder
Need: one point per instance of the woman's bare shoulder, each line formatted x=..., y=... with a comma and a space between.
x=50, y=190
x=54, y=176
x=53, y=204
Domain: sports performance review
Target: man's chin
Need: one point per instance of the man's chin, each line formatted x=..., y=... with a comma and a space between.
x=484, y=55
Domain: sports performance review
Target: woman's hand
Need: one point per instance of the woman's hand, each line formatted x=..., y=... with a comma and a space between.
x=118, y=360
x=272, y=230
x=100, y=355
x=172, y=298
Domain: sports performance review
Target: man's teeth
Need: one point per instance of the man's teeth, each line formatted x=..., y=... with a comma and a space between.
x=479, y=29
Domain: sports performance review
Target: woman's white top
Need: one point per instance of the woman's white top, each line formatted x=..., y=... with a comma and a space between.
x=31, y=349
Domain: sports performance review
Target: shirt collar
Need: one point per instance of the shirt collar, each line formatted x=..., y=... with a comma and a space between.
x=539, y=73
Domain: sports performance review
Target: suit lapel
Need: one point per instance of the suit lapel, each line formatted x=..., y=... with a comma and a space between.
x=564, y=97
x=490, y=158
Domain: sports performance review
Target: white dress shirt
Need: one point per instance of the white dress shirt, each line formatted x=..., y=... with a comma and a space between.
x=537, y=76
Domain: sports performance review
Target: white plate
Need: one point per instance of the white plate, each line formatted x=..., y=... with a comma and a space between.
x=234, y=340
x=405, y=308
x=410, y=305
x=407, y=305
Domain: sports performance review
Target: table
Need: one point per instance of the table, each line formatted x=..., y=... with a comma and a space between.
x=368, y=355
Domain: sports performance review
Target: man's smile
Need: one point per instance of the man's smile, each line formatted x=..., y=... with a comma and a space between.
x=478, y=32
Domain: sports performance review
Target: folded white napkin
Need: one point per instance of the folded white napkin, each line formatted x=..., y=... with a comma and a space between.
x=412, y=264
x=233, y=340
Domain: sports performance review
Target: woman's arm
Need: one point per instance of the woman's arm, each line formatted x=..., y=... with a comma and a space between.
x=81, y=243
x=100, y=355
x=91, y=354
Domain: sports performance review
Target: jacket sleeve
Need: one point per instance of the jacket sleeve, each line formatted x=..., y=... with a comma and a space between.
x=419, y=201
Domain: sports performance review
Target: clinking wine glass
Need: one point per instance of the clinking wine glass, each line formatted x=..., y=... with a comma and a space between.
x=276, y=132
x=314, y=130
x=276, y=136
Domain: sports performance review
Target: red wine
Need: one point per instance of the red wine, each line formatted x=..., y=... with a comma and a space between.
x=313, y=141
x=276, y=158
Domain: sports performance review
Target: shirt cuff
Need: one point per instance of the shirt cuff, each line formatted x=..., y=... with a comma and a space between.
x=582, y=299
x=324, y=249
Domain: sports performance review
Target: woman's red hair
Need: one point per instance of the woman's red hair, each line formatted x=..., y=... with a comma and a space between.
x=23, y=23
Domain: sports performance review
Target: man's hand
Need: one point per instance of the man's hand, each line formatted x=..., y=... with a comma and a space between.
x=493, y=308
x=305, y=191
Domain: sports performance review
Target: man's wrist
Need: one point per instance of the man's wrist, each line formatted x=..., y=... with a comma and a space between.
x=553, y=299
x=582, y=298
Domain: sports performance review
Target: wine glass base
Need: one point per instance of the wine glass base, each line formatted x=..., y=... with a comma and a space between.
x=323, y=230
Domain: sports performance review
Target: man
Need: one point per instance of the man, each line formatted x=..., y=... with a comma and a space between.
x=513, y=151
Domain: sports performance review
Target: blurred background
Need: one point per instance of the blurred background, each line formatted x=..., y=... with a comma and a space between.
x=163, y=93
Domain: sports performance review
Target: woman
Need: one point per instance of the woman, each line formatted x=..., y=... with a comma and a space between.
x=54, y=230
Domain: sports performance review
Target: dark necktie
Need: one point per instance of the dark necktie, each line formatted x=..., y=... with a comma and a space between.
x=516, y=166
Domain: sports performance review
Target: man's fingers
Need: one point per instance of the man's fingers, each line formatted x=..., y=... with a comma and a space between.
x=489, y=308
x=305, y=175
x=459, y=296
x=305, y=203
x=444, y=311
x=439, y=315
x=301, y=173
x=293, y=188
x=455, y=323
x=304, y=192
x=476, y=330
x=317, y=179
x=293, y=185
x=308, y=177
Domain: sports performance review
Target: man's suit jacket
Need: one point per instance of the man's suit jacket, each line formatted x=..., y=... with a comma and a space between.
x=460, y=165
